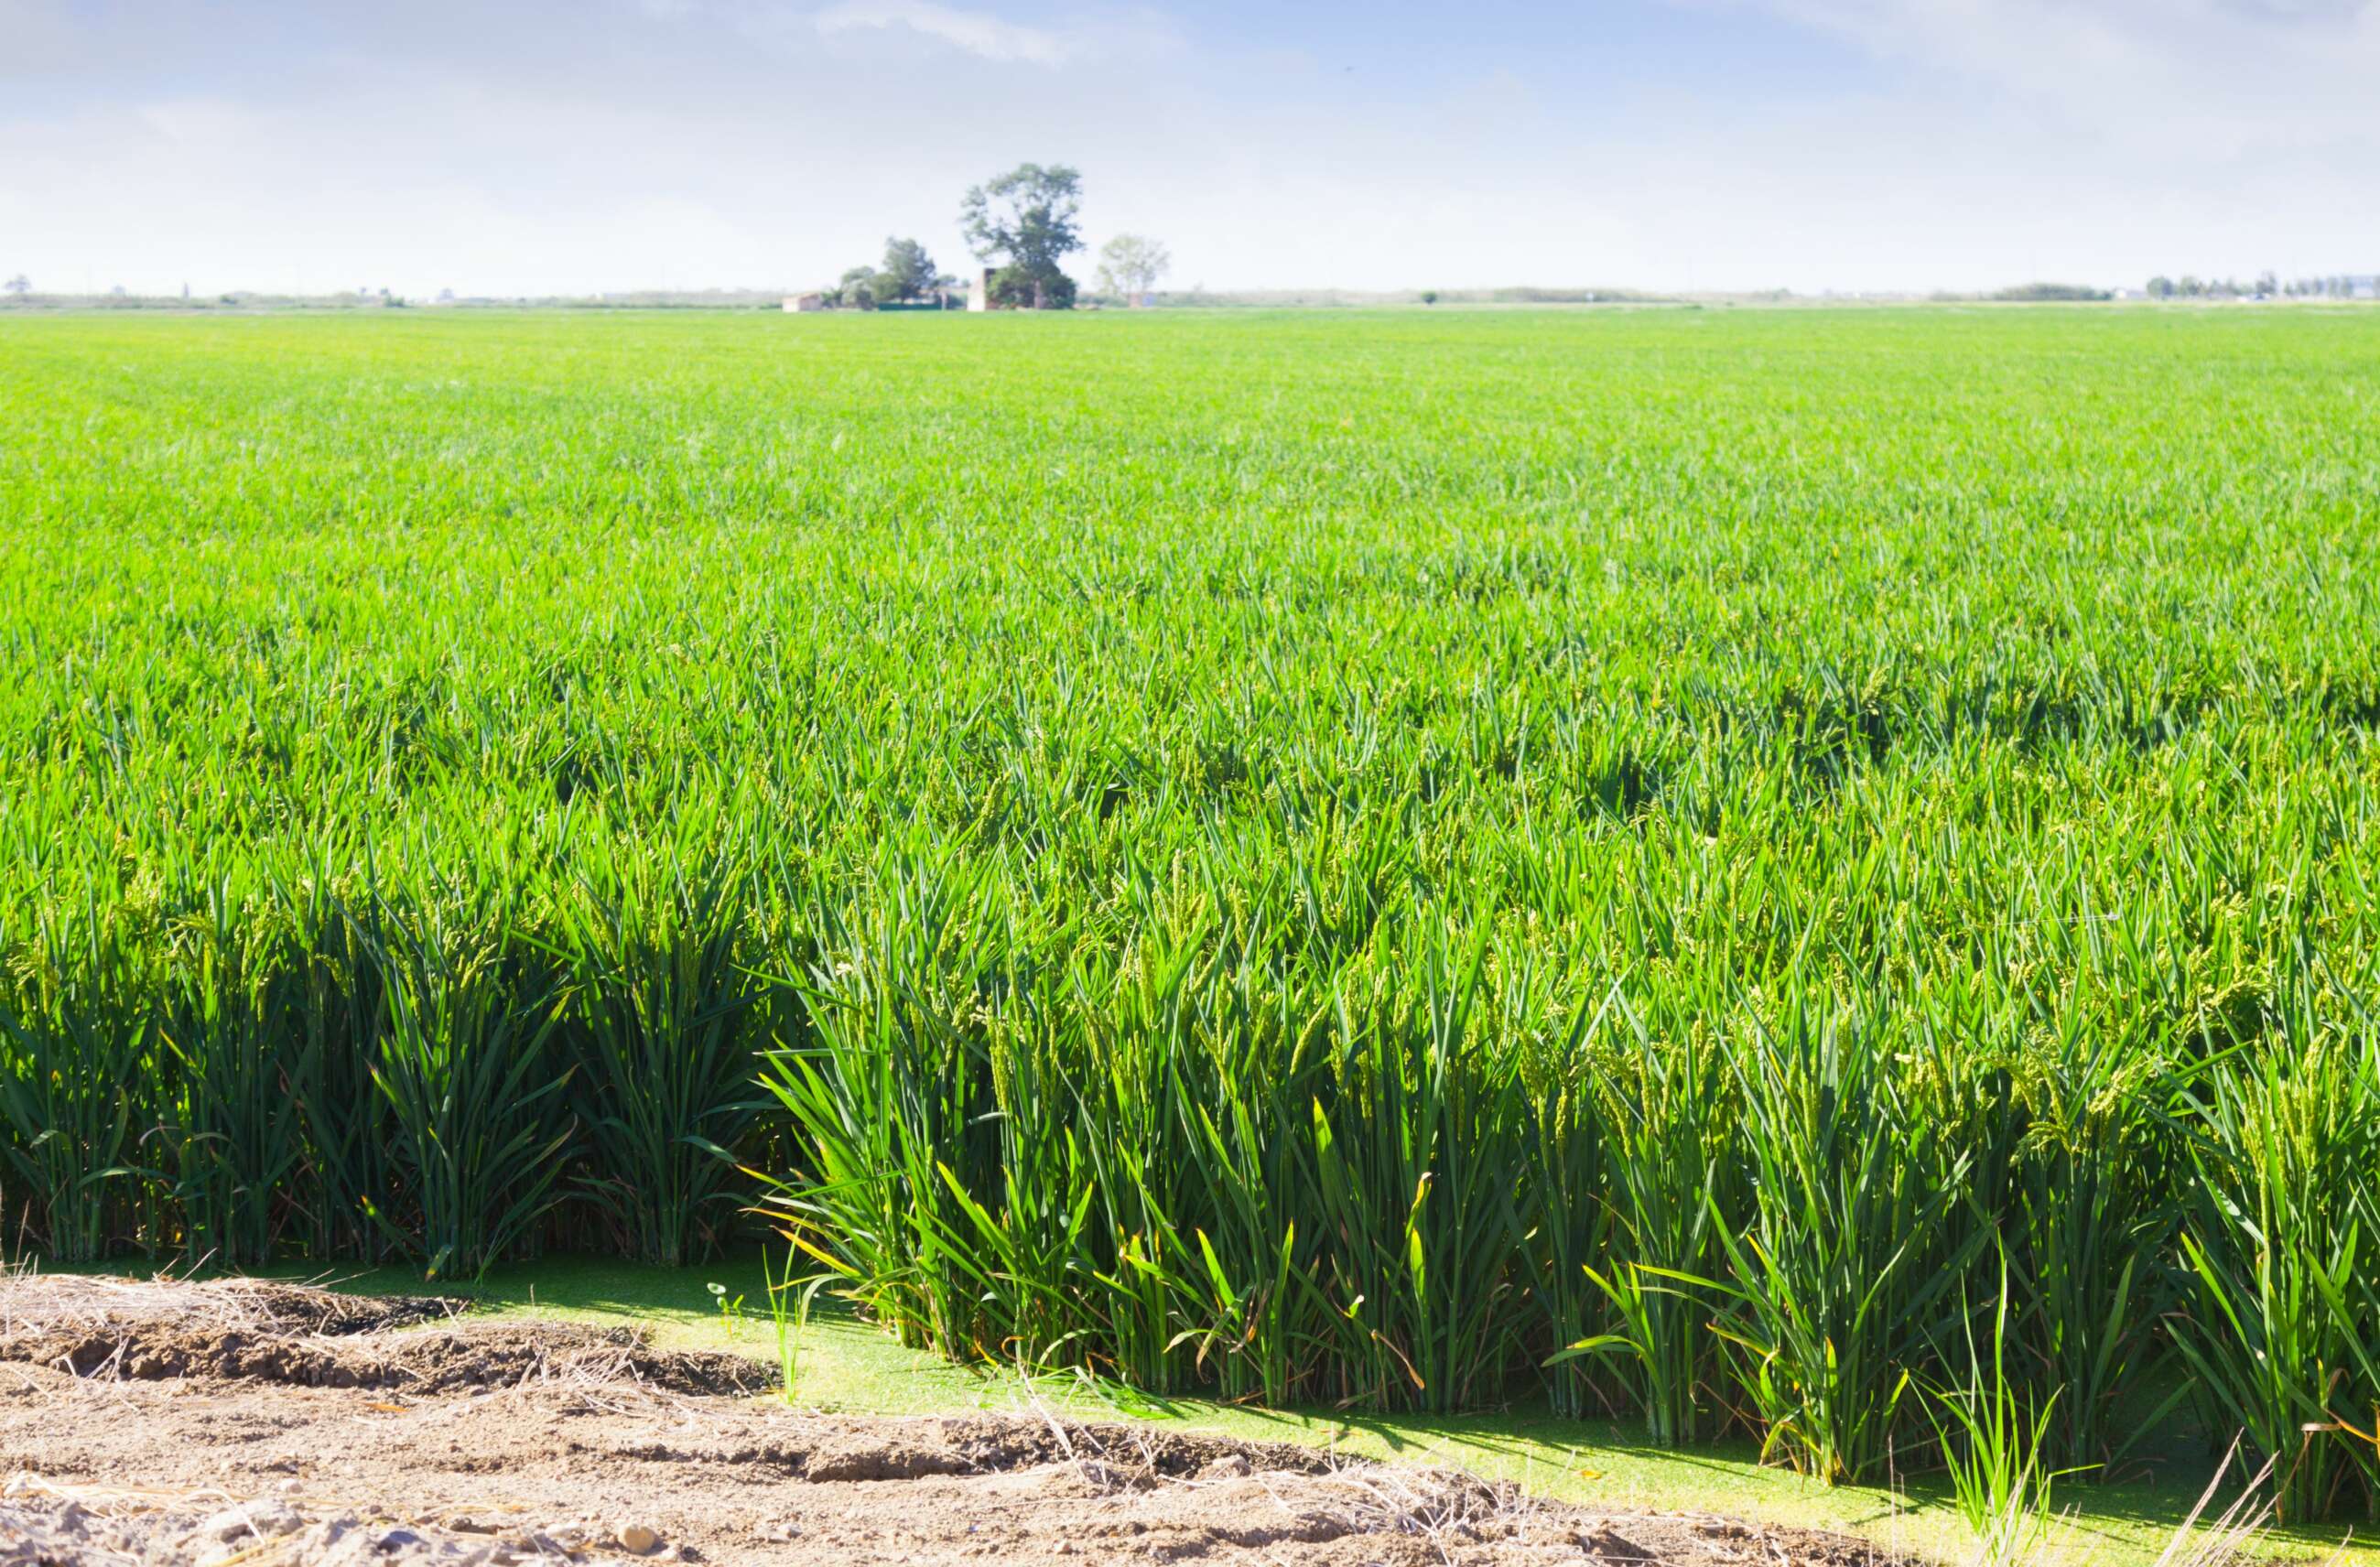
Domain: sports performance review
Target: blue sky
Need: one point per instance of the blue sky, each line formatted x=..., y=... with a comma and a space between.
x=1718, y=144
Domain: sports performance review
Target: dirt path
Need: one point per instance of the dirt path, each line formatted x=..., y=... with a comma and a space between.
x=265, y=1425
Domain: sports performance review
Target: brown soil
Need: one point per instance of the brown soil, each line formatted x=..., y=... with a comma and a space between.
x=223, y=1425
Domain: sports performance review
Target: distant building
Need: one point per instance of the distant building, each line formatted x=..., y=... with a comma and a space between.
x=804, y=304
x=980, y=290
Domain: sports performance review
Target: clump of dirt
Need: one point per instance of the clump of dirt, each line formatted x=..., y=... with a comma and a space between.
x=62, y=1302
x=516, y=1355
x=490, y=1445
x=303, y=1336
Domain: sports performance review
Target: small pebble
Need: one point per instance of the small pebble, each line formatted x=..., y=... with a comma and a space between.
x=251, y=1521
x=639, y=1541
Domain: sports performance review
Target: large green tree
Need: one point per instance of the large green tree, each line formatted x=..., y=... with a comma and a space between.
x=856, y=290
x=908, y=273
x=1025, y=219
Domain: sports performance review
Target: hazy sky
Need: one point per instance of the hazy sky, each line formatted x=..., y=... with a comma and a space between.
x=601, y=144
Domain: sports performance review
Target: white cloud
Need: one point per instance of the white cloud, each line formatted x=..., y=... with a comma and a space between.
x=976, y=32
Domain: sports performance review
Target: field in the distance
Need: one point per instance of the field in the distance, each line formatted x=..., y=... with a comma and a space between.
x=1300, y=858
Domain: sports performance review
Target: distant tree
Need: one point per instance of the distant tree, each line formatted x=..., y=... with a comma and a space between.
x=1028, y=218
x=19, y=285
x=2191, y=288
x=1429, y=296
x=858, y=289
x=907, y=273
x=1019, y=288
x=1130, y=264
x=2161, y=287
x=2042, y=293
x=2267, y=286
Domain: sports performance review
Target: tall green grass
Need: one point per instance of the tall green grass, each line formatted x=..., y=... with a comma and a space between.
x=236, y=1041
x=660, y=1029
x=1404, y=861
x=2279, y=1321
x=81, y=1031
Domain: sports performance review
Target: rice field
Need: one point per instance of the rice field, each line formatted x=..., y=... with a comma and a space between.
x=1711, y=866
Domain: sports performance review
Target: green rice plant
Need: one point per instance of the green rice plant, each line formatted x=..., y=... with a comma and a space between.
x=1572, y=1235
x=2096, y=1204
x=1670, y=1111
x=1124, y=1107
x=1857, y=1247
x=1021, y=1237
x=1251, y=1058
x=790, y=1300
x=1414, y=1159
x=2277, y=1320
x=351, y=1180
x=1994, y=1446
x=888, y=1089
x=232, y=1139
x=79, y=1023
x=658, y=1022
x=465, y=1063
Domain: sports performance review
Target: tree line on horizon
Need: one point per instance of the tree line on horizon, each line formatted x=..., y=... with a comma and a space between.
x=2265, y=285
x=1026, y=222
